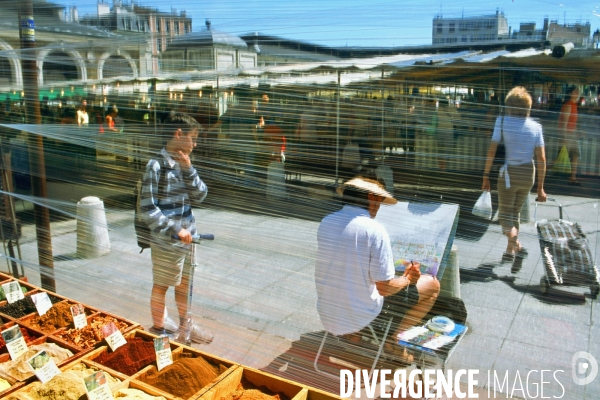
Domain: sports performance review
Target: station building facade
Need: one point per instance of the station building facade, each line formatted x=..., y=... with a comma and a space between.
x=464, y=30
x=208, y=49
x=67, y=52
x=130, y=20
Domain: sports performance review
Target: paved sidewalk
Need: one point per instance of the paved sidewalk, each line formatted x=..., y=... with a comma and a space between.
x=254, y=288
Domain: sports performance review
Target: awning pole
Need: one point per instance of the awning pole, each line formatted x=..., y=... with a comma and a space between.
x=337, y=131
x=36, y=144
x=382, y=117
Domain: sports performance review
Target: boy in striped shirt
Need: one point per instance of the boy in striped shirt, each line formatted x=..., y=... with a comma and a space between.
x=170, y=187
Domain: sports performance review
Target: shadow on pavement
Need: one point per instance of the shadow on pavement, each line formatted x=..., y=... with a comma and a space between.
x=297, y=363
x=67, y=257
x=557, y=295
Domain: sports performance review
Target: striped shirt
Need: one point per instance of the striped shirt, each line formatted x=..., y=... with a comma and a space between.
x=169, y=209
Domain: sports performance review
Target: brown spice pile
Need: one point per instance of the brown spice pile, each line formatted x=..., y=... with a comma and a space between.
x=246, y=390
x=183, y=378
x=90, y=334
x=55, y=318
x=250, y=394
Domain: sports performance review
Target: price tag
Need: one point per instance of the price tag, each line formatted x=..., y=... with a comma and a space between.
x=15, y=342
x=12, y=291
x=113, y=336
x=43, y=366
x=42, y=302
x=96, y=387
x=162, y=348
x=78, y=313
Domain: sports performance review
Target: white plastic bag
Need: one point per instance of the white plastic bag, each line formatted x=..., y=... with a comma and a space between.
x=483, y=207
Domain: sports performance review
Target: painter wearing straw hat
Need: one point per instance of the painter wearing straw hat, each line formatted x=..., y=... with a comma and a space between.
x=355, y=275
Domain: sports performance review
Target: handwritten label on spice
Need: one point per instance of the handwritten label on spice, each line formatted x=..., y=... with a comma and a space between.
x=162, y=348
x=42, y=302
x=113, y=336
x=78, y=313
x=43, y=366
x=96, y=387
x=12, y=291
x=15, y=343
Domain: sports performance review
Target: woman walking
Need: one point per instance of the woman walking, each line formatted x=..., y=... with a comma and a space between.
x=523, y=140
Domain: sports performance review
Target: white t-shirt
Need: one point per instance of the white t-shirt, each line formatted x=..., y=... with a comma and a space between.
x=83, y=117
x=521, y=137
x=354, y=253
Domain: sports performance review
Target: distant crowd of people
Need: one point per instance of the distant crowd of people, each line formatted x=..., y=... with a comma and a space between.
x=255, y=130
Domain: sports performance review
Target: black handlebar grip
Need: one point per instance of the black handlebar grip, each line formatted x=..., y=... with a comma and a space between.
x=204, y=236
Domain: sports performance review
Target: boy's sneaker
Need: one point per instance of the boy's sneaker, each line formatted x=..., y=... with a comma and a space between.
x=199, y=334
x=160, y=331
x=170, y=325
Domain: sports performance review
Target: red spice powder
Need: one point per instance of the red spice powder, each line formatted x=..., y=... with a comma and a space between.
x=129, y=358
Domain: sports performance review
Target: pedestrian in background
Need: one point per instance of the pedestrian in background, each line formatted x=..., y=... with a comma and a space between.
x=571, y=137
x=523, y=139
x=83, y=119
x=110, y=119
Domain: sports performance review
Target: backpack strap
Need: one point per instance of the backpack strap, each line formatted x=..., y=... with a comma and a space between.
x=138, y=215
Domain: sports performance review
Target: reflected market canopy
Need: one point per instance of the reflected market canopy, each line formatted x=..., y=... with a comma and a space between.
x=465, y=67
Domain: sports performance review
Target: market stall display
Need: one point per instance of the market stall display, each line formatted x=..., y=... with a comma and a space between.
x=59, y=316
x=28, y=335
x=189, y=375
x=129, y=358
x=90, y=335
x=3, y=296
x=137, y=354
x=67, y=386
x=134, y=394
x=23, y=307
x=19, y=370
x=131, y=370
x=247, y=383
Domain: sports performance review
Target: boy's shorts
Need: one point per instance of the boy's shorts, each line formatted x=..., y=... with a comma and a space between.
x=169, y=264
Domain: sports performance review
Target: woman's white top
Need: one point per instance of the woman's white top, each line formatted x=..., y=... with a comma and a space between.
x=521, y=136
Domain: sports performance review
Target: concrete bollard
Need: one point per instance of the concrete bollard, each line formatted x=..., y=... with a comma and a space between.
x=92, y=231
x=525, y=217
x=450, y=283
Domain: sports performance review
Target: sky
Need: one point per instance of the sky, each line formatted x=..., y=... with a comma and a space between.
x=373, y=23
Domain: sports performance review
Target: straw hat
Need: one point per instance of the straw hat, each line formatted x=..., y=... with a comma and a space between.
x=368, y=186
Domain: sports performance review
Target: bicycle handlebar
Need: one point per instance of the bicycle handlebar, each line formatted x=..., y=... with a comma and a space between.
x=197, y=238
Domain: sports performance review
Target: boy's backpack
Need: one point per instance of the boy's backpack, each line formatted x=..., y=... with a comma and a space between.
x=142, y=230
